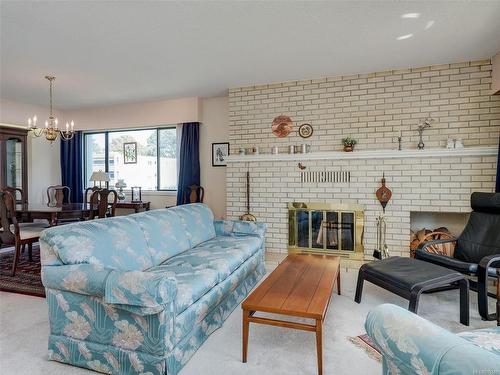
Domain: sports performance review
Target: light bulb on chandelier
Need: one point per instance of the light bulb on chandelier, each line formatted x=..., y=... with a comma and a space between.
x=51, y=129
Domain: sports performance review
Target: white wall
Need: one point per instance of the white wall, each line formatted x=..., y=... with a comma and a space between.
x=214, y=129
x=43, y=157
x=136, y=115
x=211, y=112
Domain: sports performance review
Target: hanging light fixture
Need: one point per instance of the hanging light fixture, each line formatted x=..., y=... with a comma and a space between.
x=51, y=129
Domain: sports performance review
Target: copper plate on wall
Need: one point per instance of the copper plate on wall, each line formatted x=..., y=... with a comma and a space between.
x=282, y=126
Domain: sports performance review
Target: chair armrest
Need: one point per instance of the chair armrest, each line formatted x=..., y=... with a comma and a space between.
x=141, y=292
x=415, y=345
x=445, y=261
x=78, y=278
x=484, y=267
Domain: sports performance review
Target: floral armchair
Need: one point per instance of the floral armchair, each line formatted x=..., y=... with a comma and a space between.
x=412, y=345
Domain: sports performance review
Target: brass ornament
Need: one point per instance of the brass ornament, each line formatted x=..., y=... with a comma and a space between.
x=383, y=194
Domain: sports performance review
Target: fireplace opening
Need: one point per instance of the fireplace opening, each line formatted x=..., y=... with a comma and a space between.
x=428, y=226
x=326, y=228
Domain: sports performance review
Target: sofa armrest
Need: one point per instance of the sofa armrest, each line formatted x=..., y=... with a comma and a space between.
x=240, y=228
x=78, y=278
x=416, y=346
x=140, y=292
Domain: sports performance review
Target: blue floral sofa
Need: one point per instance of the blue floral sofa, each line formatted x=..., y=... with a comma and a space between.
x=412, y=345
x=140, y=294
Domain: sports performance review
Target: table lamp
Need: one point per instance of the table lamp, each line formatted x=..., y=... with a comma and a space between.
x=101, y=177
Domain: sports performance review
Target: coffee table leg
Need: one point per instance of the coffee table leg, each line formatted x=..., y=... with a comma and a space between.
x=319, y=344
x=464, y=301
x=246, y=323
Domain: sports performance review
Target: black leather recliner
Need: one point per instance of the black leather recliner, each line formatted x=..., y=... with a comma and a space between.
x=477, y=250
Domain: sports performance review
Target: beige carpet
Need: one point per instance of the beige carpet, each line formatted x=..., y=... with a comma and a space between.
x=24, y=330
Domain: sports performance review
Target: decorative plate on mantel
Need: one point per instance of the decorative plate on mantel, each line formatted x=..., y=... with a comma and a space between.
x=305, y=130
x=282, y=126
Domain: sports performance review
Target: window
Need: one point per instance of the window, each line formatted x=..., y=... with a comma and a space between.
x=150, y=159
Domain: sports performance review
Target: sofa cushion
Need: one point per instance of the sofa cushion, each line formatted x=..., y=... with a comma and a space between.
x=164, y=233
x=199, y=269
x=222, y=254
x=116, y=243
x=198, y=222
x=193, y=282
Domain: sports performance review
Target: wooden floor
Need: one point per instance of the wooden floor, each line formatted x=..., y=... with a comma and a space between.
x=300, y=286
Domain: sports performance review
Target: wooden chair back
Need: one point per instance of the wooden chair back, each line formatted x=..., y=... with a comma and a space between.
x=88, y=193
x=56, y=195
x=8, y=218
x=193, y=194
x=17, y=193
x=105, y=207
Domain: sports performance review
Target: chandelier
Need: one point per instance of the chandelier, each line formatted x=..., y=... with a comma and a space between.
x=51, y=129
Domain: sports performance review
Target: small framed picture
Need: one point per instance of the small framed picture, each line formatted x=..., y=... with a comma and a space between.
x=130, y=153
x=136, y=194
x=220, y=152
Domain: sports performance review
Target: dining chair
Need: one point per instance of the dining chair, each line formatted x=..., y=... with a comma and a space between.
x=101, y=200
x=88, y=193
x=193, y=194
x=14, y=233
x=17, y=193
x=58, y=194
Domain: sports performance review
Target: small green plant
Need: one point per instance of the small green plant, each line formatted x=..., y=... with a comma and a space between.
x=349, y=142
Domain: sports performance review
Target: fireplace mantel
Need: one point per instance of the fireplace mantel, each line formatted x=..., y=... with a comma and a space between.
x=368, y=154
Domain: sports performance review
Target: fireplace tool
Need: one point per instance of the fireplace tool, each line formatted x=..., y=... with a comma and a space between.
x=381, y=251
x=248, y=216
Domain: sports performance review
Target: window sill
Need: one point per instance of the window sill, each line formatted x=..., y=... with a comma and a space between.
x=154, y=192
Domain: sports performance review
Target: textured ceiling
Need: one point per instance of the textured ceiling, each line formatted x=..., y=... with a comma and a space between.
x=117, y=52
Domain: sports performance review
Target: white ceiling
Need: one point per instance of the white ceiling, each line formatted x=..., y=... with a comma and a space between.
x=109, y=52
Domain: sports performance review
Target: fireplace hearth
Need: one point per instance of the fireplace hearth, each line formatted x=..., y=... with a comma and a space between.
x=326, y=228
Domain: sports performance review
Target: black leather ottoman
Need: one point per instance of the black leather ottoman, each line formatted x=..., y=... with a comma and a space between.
x=408, y=278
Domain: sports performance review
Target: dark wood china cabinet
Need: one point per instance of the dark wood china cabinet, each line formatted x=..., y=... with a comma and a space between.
x=14, y=160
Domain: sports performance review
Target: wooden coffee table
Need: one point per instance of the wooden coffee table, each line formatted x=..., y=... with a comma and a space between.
x=300, y=286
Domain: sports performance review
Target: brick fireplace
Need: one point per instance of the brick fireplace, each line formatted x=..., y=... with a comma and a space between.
x=375, y=109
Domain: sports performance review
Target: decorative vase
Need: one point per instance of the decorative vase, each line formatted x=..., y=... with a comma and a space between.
x=120, y=184
x=348, y=148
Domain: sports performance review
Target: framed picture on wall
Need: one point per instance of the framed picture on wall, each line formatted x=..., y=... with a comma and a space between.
x=220, y=152
x=130, y=153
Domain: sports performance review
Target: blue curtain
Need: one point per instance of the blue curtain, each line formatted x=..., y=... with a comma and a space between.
x=498, y=168
x=189, y=155
x=72, y=166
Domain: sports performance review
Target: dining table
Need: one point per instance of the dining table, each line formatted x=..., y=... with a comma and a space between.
x=53, y=213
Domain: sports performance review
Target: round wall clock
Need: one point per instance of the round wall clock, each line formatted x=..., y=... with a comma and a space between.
x=305, y=130
x=282, y=126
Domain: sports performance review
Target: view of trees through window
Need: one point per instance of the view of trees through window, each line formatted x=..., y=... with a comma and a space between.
x=150, y=161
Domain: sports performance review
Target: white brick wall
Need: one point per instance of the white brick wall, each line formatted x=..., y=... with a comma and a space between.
x=373, y=108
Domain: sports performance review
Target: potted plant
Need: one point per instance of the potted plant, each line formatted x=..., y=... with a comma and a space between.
x=349, y=143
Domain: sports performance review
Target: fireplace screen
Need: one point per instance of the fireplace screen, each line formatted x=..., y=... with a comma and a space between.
x=325, y=228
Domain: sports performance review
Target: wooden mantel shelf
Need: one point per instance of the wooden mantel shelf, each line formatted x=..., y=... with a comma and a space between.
x=368, y=154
